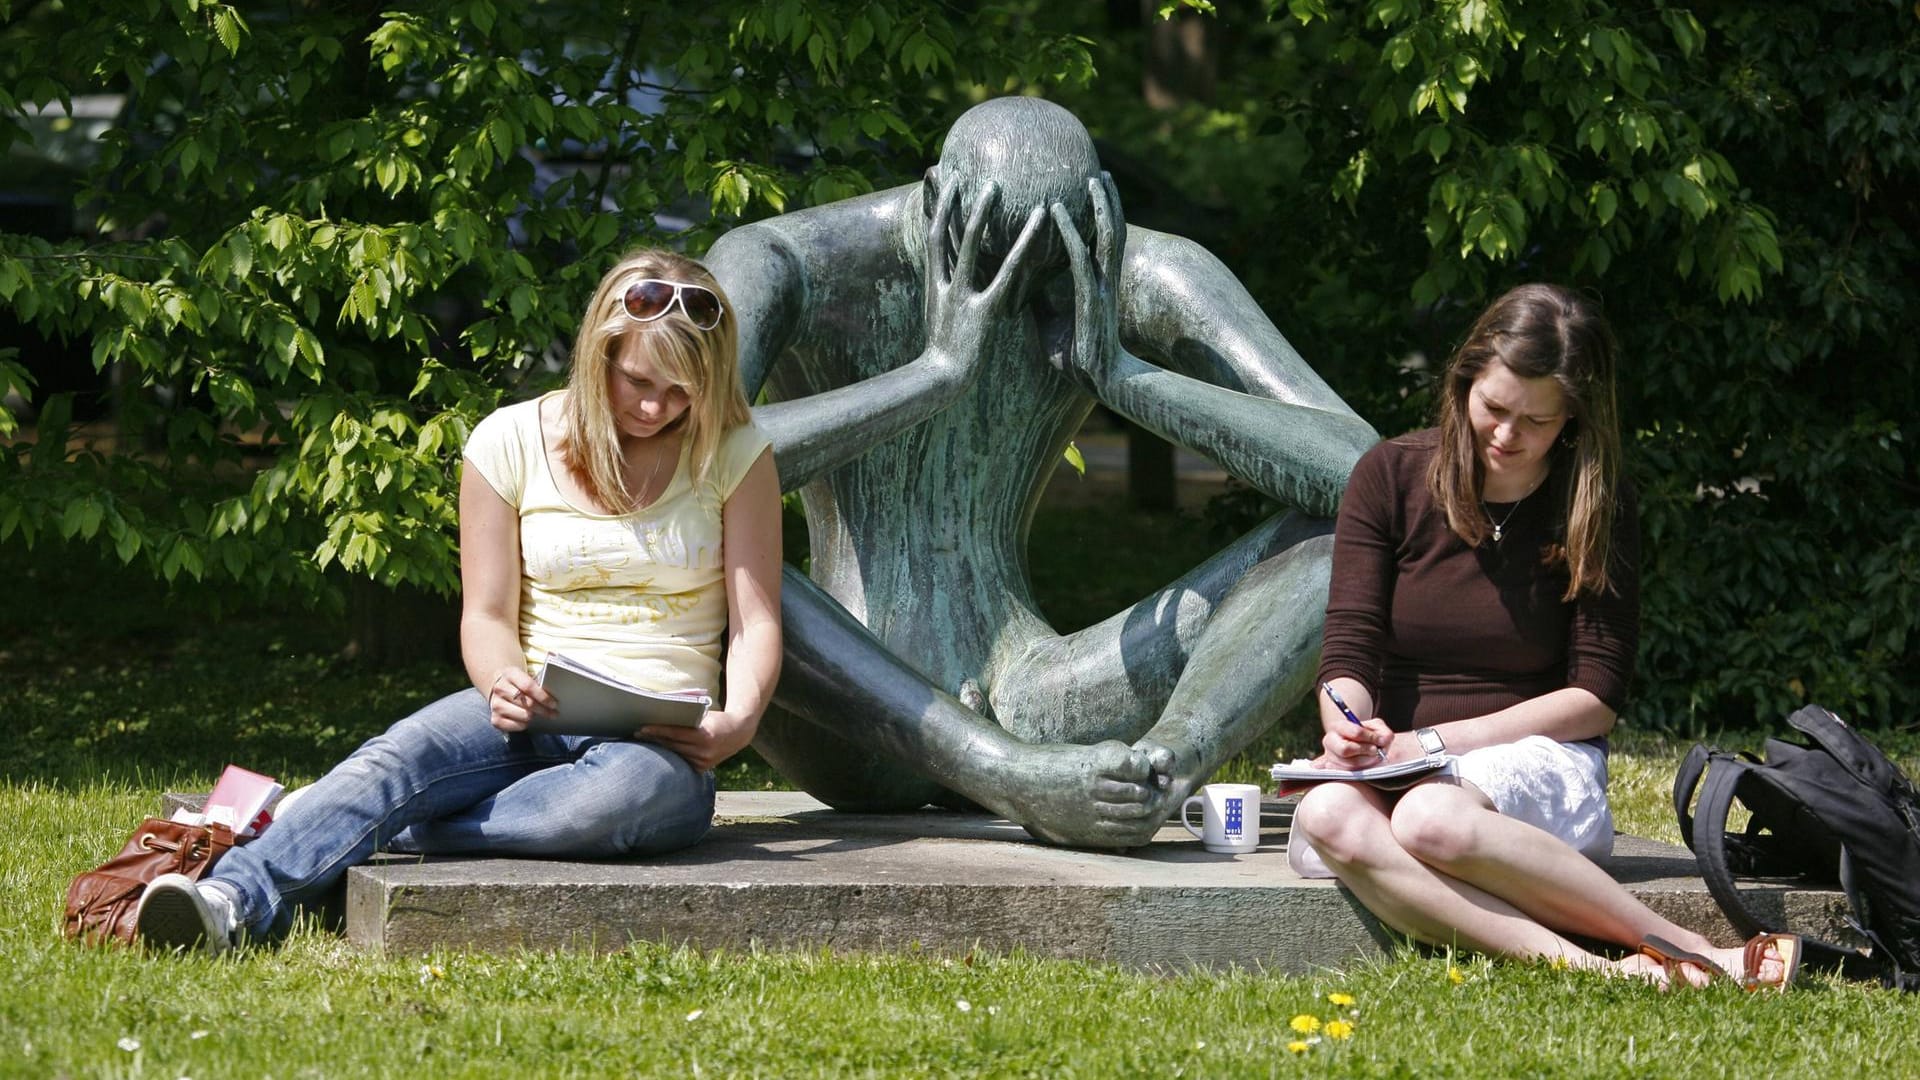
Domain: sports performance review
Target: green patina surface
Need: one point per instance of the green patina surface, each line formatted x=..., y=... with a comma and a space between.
x=928, y=352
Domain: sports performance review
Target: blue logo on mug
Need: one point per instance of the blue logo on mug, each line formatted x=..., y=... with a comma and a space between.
x=1233, y=817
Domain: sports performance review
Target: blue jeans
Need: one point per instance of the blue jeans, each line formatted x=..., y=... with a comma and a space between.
x=444, y=781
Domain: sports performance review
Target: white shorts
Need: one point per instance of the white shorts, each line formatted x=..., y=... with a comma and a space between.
x=1558, y=787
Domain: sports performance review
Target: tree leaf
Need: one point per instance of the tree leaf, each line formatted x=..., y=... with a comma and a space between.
x=227, y=26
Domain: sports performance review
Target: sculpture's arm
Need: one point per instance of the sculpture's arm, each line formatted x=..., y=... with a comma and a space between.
x=1287, y=434
x=815, y=434
x=1299, y=454
x=819, y=433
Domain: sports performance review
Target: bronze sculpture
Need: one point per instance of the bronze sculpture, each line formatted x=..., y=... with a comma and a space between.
x=928, y=351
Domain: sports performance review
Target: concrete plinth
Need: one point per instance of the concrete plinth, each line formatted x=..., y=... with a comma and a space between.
x=781, y=870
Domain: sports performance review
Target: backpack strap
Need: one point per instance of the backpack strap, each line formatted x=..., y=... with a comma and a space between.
x=1749, y=854
x=1710, y=844
x=1858, y=756
x=1684, y=784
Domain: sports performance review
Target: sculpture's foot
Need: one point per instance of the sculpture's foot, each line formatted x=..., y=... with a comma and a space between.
x=1107, y=795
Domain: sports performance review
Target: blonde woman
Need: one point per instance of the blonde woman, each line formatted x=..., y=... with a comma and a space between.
x=1485, y=603
x=630, y=521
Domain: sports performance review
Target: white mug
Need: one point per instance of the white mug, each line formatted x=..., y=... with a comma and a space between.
x=1230, y=814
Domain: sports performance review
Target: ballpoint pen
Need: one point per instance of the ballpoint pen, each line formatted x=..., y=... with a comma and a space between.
x=1348, y=713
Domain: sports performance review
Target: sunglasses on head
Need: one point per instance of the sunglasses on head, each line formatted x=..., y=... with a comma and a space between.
x=650, y=298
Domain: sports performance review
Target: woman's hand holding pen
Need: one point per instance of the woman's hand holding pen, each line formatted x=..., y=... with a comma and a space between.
x=1350, y=742
x=1357, y=747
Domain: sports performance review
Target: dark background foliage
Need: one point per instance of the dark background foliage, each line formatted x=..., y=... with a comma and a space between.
x=1757, y=257
x=262, y=297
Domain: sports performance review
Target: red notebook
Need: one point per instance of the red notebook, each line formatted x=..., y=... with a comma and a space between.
x=239, y=800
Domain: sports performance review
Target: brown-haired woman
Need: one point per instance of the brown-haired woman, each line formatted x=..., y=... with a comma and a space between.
x=630, y=521
x=1485, y=603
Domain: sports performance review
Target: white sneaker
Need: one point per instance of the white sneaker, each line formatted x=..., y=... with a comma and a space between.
x=178, y=913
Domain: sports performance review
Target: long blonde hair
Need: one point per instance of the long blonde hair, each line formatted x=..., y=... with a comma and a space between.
x=1541, y=331
x=705, y=363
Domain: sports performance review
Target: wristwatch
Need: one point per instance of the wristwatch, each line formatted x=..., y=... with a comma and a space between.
x=1430, y=741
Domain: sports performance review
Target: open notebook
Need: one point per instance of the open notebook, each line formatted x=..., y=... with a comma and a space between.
x=593, y=702
x=1300, y=772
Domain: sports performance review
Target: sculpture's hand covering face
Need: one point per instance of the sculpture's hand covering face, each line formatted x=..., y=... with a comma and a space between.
x=1088, y=356
x=961, y=314
x=1036, y=154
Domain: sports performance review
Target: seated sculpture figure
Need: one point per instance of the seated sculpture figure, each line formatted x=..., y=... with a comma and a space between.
x=928, y=353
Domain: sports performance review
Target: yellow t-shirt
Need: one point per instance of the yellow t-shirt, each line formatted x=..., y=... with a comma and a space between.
x=640, y=595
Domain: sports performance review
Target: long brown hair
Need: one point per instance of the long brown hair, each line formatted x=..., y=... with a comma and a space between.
x=1540, y=331
x=703, y=362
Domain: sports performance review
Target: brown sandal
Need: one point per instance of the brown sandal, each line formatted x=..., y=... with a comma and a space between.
x=1787, y=948
x=1672, y=957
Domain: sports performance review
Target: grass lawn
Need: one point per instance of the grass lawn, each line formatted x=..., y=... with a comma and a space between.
x=117, y=692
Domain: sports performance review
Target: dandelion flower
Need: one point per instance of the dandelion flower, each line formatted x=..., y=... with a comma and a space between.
x=1297, y=1047
x=1455, y=975
x=128, y=1043
x=1339, y=1029
x=1341, y=999
x=1305, y=1024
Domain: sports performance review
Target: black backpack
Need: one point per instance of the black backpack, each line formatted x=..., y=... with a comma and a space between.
x=1833, y=811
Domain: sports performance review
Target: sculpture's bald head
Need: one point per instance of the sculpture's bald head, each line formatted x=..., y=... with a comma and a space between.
x=1037, y=152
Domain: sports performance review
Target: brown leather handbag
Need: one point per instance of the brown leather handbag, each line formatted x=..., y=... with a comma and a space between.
x=102, y=903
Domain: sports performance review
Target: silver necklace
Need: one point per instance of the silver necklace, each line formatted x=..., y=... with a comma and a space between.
x=1499, y=527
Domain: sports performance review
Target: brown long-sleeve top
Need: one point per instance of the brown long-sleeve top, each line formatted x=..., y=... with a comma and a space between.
x=1440, y=631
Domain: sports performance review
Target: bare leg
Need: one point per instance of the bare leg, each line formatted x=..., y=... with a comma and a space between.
x=1351, y=826
x=1457, y=832
x=1445, y=868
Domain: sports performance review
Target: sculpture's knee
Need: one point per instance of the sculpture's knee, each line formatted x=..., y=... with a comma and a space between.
x=1293, y=539
x=1432, y=824
x=1281, y=598
x=1343, y=825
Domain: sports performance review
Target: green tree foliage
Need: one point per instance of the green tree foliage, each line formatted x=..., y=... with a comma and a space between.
x=325, y=238
x=1737, y=182
x=334, y=234
x=1776, y=450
